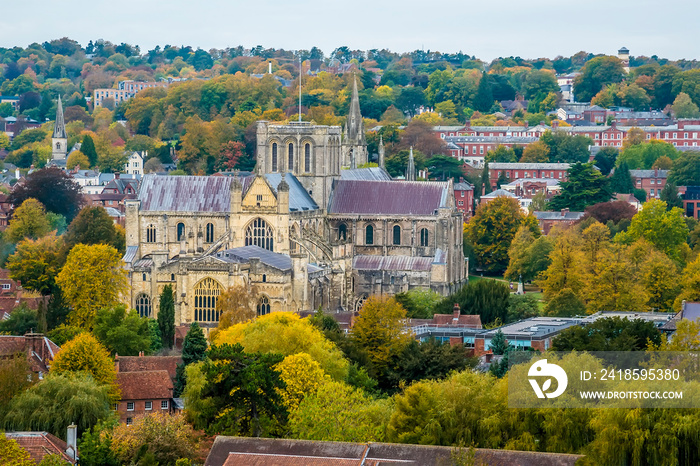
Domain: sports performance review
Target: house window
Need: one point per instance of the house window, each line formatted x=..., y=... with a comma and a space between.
x=342, y=232
x=143, y=305
x=130, y=406
x=307, y=157
x=129, y=421
x=263, y=305
x=143, y=277
x=180, y=231
x=369, y=234
x=397, y=235
x=149, y=405
x=206, y=294
x=274, y=156
x=6, y=286
x=209, y=237
x=290, y=162
x=150, y=232
x=164, y=404
x=651, y=191
x=460, y=203
x=260, y=234
x=424, y=237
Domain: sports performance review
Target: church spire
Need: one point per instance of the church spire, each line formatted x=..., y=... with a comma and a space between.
x=411, y=168
x=355, y=125
x=59, y=129
x=380, y=158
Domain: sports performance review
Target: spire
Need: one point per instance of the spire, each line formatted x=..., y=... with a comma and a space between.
x=411, y=168
x=380, y=159
x=355, y=125
x=59, y=129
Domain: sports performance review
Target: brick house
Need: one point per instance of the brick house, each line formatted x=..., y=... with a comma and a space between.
x=464, y=198
x=517, y=171
x=651, y=181
x=691, y=200
x=39, y=351
x=548, y=220
x=144, y=392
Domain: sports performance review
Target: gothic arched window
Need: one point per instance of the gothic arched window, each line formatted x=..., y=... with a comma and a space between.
x=307, y=157
x=58, y=145
x=151, y=234
x=342, y=232
x=424, y=237
x=274, y=156
x=143, y=305
x=397, y=235
x=209, y=237
x=180, y=231
x=206, y=294
x=369, y=234
x=291, y=157
x=260, y=234
x=263, y=305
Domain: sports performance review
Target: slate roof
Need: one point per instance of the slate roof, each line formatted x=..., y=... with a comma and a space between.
x=498, y=193
x=388, y=197
x=148, y=363
x=392, y=263
x=528, y=166
x=368, y=174
x=558, y=215
x=40, y=444
x=282, y=452
x=463, y=186
x=145, y=385
x=245, y=253
x=649, y=173
x=186, y=193
x=299, y=199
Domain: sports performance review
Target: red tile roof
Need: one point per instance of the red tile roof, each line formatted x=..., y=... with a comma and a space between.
x=39, y=350
x=388, y=197
x=148, y=363
x=146, y=385
x=40, y=444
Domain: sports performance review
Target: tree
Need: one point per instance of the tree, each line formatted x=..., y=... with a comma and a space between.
x=621, y=181
x=91, y=279
x=11, y=381
x=644, y=155
x=690, y=284
x=77, y=159
x=122, y=332
x=485, y=298
x=444, y=167
x=36, y=263
x=499, y=344
x=53, y=188
x=537, y=152
x=85, y=354
x=605, y=159
x=596, y=74
x=162, y=437
x=166, y=316
x=93, y=225
x=502, y=154
x=684, y=107
x=522, y=306
x=95, y=445
x=88, y=148
x=419, y=303
x=585, y=186
x=686, y=170
x=491, y=231
x=22, y=320
x=286, y=333
x=194, y=349
x=612, y=211
x=665, y=229
x=565, y=303
x=608, y=334
x=484, y=94
x=528, y=257
x=12, y=454
x=243, y=392
x=236, y=305
x=378, y=330
x=485, y=181
x=671, y=197
x=28, y=221
x=302, y=376
x=563, y=272
x=420, y=135
x=59, y=401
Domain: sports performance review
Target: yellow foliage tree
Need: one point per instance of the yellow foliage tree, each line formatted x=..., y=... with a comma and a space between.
x=28, y=221
x=77, y=159
x=237, y=304
x=286, y=333
x=92, y=279
x=168, y=438
x=85, y=354
x=11, y=453
x=690, y=283
x=302, y=377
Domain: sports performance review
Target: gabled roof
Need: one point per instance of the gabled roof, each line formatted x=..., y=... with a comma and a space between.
x=245, y=253
x=299, y=199
x=148, y=363
x=498, y=193
x=145, y=385
x=186, y=193
x=388, y=197
x=649, y=173
x=40, y=444
x=558, y=215
x=392, y=263
x=367, y=174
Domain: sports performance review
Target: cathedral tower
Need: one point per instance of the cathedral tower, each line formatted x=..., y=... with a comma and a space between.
x=354, y=143
x=59, y=140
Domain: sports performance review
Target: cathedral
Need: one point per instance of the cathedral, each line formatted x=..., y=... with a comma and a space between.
x=308, y=229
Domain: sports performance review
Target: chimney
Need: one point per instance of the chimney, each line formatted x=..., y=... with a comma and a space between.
x=116, y=175
x=71, y=442
x=17, y=173
x=455, y=313
x=564, y=212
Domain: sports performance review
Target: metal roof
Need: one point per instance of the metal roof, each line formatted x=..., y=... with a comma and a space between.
x=245, y=253
x=130, y=253
x=299, y=199
x=368, y=174
x=392, y=263
x=388, y=197
x=558, y=215
x=186, y=193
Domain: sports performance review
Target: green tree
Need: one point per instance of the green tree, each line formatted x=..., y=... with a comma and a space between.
x=608, y=334
x=243, y=389
x=485, y=181
x=166, y=316
x=605, y=159
x=684, y=107
x=596, y=74
x=36, y=263
x=644, y=155
x=154, y=336
x=28, y=221
x=585, y=186
x=671, y=197
x=499, y=344
x=95, y=445
x=91, y=279
x=194, y=349
x=93, y=225
x=483, y=101
x=88, y=148
x=11, y=382
x=22, y=320
x=492, y=230
x=528, y=257
x=485, y=298
x=686, y=170
x=419, y=303
x=59, y=401
x=523, y=306
x=621, y=181
x=501, y=154
x=122, y=332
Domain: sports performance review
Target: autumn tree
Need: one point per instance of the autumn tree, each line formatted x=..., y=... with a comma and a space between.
x=51, y=186
x=684, y=107
x=528, y=256
x=566, y=259
x=11, y=383
x=12, y=454
x=613, y=211
x=93, y=225
x=491, y=231
x=596, y=74
x=122, y=332
x=85, y=353
x=36, y=263
x=236, y=305
x=166, y=316
x=690, y=284
x=160, y=437
x=420, y=135
x=77, y=159
x=302, y=376
x=91, y=279
x=537, y=152
x=28, y=221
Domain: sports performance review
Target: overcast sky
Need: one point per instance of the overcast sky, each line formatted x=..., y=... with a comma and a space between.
x=485, y=28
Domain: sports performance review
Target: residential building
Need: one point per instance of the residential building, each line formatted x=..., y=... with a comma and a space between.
x=549, y=220
x=651, y=181
x=473, y=149
x=13, y=125
x=144, y=392
x=517, y=171
x=464, y=198
x=691, y=201
x=134, y=164
x=125, y=91
x=37, y=348
x=12, y=100
x=42, y=444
